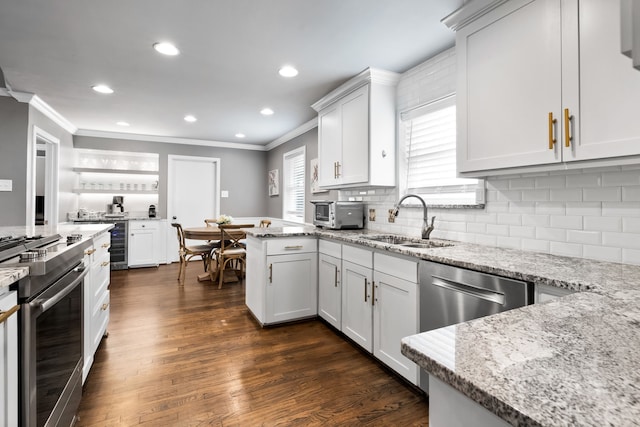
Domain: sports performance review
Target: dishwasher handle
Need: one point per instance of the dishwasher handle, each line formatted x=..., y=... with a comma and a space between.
x=474, y=291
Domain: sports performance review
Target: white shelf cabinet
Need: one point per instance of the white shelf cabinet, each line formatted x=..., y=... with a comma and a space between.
x=145, y=244
x=356, y=132
x=523, y=64
x=9, y=360
x=281, y=282
x=96, y=297
x=330, y=282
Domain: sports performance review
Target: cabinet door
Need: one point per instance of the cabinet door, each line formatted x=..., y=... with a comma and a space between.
x=609, y=100
x=329, y=290
x=292, y=291
x=354, y=167
x=142, y=248
x=395, y=316
x=329, y=145
x=509, y=80
x=87, y=297
x=357, y=306
x=9, y=362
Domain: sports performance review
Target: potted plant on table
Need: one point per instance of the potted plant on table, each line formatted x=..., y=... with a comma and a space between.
x=224, y=219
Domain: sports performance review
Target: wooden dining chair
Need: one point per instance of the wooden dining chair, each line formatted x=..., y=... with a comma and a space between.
x=210, y=222
x=188, y=252
x=232, y=252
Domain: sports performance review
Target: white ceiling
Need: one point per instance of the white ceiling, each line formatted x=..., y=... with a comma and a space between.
x=231, y=51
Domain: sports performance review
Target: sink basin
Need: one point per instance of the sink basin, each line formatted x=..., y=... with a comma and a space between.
x=408, y=242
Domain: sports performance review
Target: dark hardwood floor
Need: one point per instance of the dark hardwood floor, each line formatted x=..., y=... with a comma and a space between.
x=193, y=356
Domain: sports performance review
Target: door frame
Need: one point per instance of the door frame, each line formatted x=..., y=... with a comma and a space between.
x=51, y=176
x=171, y=254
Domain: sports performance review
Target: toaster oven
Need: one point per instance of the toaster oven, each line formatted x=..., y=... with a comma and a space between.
x=338, y=215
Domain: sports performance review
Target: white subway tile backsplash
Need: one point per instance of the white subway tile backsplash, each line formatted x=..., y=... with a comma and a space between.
x=568, y=222
x=498, y=229
x=621, y=209
x=509, y=242
x=565, y=195
x=551, y=208
x=536, y=220
x=617, y=179
x=584, y=208
x=509, y=219
x=554, y=181
x=475, y=227
x=584, y=180
x=486, y=240
x=602, y=253
x=601, y=223
x=521, y=207
x=522, y=183
x=497, y=207
x=631, y=256
x=509, y=196
x=566, y=249
x=621, y=240
x=541, y=195
x=605, y=194
x=551, y=234
x=497, y=184
x=535, y=245
x=631, y=194
x=630, y=225
x=487, y=218
x=584, y=237
x=522, y=231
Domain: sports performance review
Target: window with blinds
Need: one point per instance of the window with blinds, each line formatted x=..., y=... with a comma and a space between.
x=429, y=135
x=293, y=183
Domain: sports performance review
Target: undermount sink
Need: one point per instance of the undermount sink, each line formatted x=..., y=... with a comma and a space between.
x=408, y=242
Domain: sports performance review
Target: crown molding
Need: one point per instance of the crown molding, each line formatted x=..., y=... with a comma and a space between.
x=469, y=12
x=370, y=75
x=36, y=102
x=305, y=127
x=168, y=140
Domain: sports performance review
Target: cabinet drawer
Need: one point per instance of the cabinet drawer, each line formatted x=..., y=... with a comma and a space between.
x=330, y=248
x=144, y=225
x=102, y=243
x=397, y=267
x=363, y=257
x=100, y=320
x=288, y=246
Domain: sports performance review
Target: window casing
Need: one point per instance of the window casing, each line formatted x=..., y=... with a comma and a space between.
x=428, y=158
x=293, y=165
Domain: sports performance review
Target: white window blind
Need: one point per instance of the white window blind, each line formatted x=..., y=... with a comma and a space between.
x=429, y=134
x=294, y=172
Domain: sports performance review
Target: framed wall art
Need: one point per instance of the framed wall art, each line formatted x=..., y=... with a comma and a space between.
x=274, y=179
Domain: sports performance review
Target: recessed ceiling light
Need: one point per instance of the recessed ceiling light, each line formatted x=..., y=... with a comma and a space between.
x=266, y=111
x=189, y=118
x=166, y=48
x=122, y=124
x=102, y=89
x=240, y=135
x=288, y=71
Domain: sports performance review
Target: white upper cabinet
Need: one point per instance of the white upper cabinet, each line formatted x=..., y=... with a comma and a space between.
x=356, y=132
x=542, y=82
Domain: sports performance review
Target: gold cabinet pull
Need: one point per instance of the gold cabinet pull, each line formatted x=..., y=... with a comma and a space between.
x=4, y=315
x=552, y=138
x=365, y=289
x=106, y=245
x=338, y=169
x=270, y=273
x=335, y=279
x=373, y=293
x=90, y=252
x=104, y=263
x=335, y=170
x=293, y=248
x=567, y=128
x=105, y=306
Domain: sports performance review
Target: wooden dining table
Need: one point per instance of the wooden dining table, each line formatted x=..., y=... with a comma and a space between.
x=211, y=234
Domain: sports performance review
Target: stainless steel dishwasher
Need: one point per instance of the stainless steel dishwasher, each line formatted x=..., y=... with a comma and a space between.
x=450, y=295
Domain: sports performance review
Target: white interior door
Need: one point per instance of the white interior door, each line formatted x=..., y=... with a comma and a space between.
x=45, y=172
x=193, y=194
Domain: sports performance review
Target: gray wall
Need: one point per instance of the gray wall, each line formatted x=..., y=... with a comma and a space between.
x=14, y=123
x=242, y=172
x=66, y=177
x=274, y=161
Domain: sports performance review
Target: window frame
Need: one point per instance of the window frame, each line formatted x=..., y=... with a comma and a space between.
x=288, y=158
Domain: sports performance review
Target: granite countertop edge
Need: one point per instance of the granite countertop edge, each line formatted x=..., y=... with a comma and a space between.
x=10, y=275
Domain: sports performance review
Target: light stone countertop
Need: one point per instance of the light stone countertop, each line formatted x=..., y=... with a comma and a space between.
x=10, y=275
x=572, y=361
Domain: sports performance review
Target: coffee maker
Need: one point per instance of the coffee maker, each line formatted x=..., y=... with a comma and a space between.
x=152, y=211
x=117, y=203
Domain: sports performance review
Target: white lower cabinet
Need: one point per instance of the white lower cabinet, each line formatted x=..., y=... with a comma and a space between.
x=9, y=359
x=357, y=309
x=145, y=243
x=96, y=297
x=330, y=282
x=281, y=282
x=395, y=311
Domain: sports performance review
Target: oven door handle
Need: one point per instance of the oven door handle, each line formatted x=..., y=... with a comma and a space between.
x=46, y=304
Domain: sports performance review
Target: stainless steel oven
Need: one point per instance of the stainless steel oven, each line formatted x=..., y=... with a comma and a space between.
x=51, y=352
x=50, y=326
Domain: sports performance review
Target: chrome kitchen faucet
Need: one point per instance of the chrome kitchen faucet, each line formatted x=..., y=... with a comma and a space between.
x=426, y=228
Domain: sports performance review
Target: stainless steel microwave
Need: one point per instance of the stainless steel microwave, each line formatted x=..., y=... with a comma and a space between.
x=338, y=215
